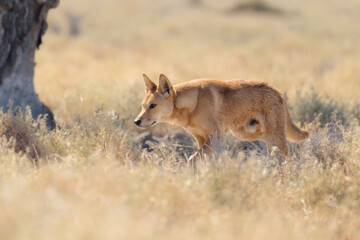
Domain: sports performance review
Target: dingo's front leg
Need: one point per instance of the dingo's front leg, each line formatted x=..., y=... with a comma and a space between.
x=203, y=148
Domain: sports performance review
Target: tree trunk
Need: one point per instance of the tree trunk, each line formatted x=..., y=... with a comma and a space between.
x=22, y=24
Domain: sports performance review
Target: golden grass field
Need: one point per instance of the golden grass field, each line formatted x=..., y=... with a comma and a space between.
x=90, y=179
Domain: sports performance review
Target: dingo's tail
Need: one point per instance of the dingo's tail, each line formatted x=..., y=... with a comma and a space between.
x=293, y=132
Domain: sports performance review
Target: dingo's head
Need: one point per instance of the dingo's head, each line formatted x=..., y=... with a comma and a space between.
x=158, y=103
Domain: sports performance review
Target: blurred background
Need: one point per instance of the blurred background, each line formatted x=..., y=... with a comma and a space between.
x=97, y=177
x=95, y=52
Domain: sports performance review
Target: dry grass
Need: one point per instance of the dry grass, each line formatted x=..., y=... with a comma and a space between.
x=90, y=179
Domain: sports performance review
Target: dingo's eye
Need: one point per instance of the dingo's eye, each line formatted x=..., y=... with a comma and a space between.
x=152, y=106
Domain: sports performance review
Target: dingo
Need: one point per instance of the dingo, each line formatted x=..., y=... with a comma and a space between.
x=251, y=110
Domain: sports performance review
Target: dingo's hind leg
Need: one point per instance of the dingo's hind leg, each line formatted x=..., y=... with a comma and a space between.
x=275, y=134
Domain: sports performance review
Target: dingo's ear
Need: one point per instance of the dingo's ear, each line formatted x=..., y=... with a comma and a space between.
x=165, y=87
x=149, y=85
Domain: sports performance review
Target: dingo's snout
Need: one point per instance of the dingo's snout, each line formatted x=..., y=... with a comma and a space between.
x=137, y=122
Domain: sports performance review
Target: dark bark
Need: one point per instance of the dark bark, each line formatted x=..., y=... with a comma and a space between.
x=22, y=24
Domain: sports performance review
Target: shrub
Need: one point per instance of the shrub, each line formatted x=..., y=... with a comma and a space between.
x=310, y=106
x=99, y=131
x=22, y=132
